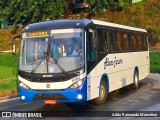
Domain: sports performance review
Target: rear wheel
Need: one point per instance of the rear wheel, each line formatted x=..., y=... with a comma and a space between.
x=135, y=85
x=102, y=94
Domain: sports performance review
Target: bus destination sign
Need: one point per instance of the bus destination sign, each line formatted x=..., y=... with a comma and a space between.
x=34, y=34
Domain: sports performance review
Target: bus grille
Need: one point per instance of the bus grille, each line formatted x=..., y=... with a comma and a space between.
x=48, y=90
x=49, y=97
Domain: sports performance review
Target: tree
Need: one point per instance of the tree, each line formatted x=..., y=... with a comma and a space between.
x=98, y=6
x=29, y=11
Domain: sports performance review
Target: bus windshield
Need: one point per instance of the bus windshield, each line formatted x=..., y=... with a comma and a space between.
x=61, y=50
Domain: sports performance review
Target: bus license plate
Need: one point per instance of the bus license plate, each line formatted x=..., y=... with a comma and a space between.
x=50, y=101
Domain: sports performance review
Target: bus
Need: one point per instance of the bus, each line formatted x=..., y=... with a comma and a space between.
x=79, y=60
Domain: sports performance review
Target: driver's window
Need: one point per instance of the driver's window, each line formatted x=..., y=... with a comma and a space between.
x=91, y=50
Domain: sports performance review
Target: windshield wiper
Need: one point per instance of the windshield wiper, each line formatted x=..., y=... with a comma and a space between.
x=77, y=73
x=47, y=57
x=34, y=62
x=41, y=60
x=56, y=62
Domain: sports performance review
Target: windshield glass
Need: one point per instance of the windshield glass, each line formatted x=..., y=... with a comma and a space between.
x=62, y=51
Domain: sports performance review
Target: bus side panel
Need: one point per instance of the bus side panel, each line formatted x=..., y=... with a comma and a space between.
x=120, y=70
x=122, y=74
x=120, y=79
x=143, y=71
x=93, y=81
x=93, y=88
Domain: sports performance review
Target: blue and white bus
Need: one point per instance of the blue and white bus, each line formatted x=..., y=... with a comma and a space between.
x=109, y=56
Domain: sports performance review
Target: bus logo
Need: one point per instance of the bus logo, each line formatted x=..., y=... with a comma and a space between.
x=112, y=62
x=48, y=85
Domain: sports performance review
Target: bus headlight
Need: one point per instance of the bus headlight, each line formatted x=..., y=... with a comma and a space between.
x=24, y=86
x=77, y=84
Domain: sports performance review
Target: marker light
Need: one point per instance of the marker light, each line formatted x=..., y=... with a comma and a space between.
x=23, y=97
x=21, y=84
x=77, y=84
x=79, y=96
x=24, y=86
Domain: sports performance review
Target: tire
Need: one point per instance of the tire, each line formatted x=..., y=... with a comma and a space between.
x=135, y=84
x=102, y=96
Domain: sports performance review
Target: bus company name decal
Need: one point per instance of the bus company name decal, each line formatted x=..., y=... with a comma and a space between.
x=114, y=62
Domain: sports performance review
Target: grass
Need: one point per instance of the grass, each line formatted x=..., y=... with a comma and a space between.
x=155, y=62
x=8, y=73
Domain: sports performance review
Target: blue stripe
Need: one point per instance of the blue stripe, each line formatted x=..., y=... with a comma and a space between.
x=70, y=94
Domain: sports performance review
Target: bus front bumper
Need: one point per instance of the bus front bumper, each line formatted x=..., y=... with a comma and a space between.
x=66, y=95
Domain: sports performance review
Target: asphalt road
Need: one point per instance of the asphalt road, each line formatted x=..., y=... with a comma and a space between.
x=147, y=97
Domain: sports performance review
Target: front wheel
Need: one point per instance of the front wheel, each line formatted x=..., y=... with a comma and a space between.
x=102, y=95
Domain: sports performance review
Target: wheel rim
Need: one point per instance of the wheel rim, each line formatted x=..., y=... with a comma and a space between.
x=102, y=92
x=136, y=81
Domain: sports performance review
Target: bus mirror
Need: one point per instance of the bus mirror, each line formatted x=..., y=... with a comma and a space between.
x=13, y=43
x=14, y=49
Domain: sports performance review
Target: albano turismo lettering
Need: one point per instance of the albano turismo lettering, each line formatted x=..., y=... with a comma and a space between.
x=112, y=62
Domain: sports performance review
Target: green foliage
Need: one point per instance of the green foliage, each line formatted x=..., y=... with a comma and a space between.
x=97, y=7
x=7, y=59
x=158, y=28
x=153, y=10
x=123, y=3
x=29, y=11
x=8, y=72
x=155, y=62
x=153, y=35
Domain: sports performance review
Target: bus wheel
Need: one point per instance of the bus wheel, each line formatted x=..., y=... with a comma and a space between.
x=136, y=81
x=102, y=95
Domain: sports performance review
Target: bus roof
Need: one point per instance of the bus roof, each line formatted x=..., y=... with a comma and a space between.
x=98, y=22
x=77, y=23
x=57, y=24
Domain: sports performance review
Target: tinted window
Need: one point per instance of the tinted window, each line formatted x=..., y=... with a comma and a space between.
x=143, y=39
x=91, y=52
x=136, y=41
x=102, y=39
x=112, y=37
x=122, y=43
x=130, y=42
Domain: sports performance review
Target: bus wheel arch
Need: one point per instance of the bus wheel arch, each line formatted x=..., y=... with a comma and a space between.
x=105, y=78
x=103, y=91
x=135, y=84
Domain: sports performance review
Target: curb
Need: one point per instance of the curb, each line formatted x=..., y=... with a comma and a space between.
x=9, y=97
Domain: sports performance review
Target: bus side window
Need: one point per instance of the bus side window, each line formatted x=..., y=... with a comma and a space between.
x=122, y=45
x=143, y=42
x=91, y=49
x=91, y=52
x=136, y=41
x=125, y=42
x=106, y=42
x=102, y=39
x=113, y=40
x=130, y=42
